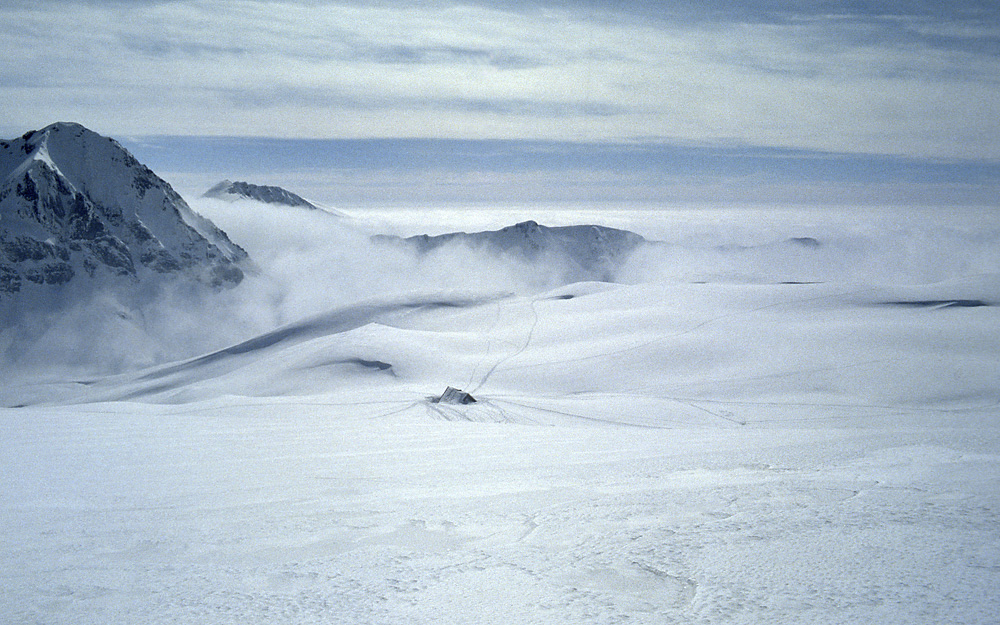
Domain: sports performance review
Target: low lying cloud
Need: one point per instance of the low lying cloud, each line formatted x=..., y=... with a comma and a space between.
x=310, y=262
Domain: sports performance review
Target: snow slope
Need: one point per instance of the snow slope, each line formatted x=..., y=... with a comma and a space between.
x=75, y=204
x=661, y=451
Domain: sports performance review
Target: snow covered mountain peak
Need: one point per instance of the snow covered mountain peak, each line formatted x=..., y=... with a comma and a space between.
x=230, y=191
x=77, y=205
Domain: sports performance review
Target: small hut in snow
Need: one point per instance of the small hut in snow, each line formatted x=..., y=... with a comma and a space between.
x=453, y=395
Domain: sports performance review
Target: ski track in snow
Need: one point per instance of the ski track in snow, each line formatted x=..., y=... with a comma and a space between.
x=515, y=353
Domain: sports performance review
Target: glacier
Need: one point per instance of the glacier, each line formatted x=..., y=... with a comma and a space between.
x=769, y=415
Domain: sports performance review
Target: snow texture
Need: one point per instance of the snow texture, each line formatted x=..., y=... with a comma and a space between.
x=764, y=418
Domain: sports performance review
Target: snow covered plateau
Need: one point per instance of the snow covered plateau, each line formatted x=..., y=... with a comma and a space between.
x=769, y=416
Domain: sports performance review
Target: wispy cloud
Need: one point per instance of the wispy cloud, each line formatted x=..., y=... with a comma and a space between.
x=921, y=81
x=345, y=172
x=273, y=97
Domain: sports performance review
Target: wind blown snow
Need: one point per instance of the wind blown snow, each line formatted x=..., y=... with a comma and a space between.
x=767, y=416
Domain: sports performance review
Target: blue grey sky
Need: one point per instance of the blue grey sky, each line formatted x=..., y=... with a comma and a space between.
x=757, y=101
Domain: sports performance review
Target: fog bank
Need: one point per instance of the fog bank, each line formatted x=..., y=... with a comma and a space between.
x=308, y=262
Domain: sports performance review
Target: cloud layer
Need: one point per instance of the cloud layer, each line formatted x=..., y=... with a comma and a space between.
x=921, y=83
x=391, y=172
x=311, y=263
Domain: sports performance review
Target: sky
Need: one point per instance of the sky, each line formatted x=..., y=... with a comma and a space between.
x=525, y=101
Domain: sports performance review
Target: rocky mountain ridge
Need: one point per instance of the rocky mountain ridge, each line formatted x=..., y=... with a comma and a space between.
x=590, y=252
x=586, y=252
x=75, y=205
x=228, y=190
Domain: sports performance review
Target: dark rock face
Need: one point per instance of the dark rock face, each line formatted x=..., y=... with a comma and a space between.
x=75, y=204
x=227, y=190
x=10, y=280
x=21, y=249
x=57, y=273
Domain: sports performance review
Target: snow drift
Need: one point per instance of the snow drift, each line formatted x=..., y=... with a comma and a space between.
x=757, y=422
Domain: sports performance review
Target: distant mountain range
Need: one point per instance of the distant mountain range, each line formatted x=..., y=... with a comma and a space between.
x=76, y=206
x=589, y=252
x=585, y=252
x=228, y=190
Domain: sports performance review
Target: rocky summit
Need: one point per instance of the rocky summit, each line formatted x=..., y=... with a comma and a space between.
x=587, y=252
x=230, y=191
x=76, y=206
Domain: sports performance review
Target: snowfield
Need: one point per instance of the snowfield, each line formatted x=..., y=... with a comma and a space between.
x=733, y=432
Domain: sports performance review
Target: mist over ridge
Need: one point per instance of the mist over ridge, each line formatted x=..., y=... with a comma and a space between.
x=307, y=262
